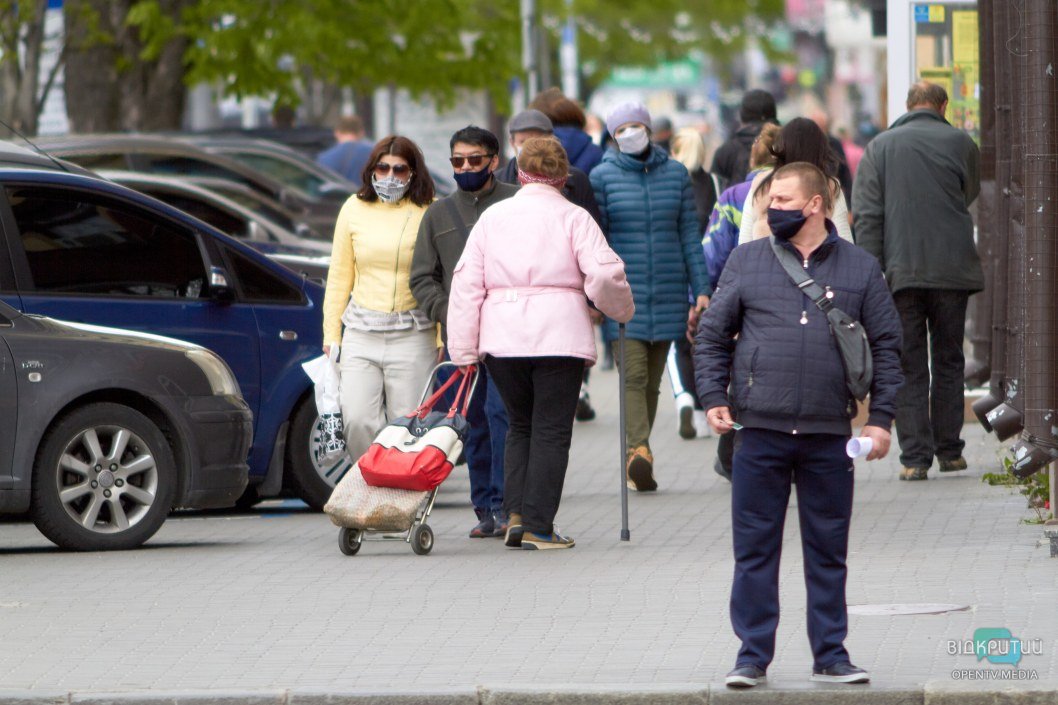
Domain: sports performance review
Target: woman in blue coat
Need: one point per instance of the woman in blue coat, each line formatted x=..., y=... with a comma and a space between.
x=649, y=217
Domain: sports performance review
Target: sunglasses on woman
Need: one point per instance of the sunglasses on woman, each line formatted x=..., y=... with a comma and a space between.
x=398, y=169
x=473, y=160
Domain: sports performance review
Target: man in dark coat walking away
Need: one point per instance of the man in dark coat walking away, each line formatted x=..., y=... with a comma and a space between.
x=731, y=161
x=767, y=342
x=910, y=203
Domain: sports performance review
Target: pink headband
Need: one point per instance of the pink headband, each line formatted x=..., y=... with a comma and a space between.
x=527, y=178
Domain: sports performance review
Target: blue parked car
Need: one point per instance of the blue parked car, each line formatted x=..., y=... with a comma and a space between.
x=83, y=249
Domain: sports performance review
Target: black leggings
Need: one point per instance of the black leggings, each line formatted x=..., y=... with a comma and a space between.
x=540, y=394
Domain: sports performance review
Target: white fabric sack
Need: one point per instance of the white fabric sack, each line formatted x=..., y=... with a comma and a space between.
x=326, y=378
x=356, y=505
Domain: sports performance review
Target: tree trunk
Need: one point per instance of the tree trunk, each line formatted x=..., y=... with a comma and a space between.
x=105, y=90
x=91, y=78
x=22, y=30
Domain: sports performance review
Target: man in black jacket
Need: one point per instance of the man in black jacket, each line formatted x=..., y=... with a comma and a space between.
x=774, y=347
x=442, y=236
x=731, y=161
x=910, y=203
x=533, y=123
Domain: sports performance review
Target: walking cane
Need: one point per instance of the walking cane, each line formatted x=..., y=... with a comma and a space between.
x=625, y=534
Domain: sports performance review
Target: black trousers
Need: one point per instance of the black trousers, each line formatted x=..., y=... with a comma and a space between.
x=765, y=463
x=929, y=407
x=540, y=394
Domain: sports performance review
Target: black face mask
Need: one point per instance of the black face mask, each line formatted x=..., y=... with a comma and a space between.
x=785, y=224
x=472, y=180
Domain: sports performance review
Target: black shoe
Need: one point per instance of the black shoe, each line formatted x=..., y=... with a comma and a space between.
x=584, y=411
x=499, y=523
x=841, y=673
x=486, y=526
x=745, y=677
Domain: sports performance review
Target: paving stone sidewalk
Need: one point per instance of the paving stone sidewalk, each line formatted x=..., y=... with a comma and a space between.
x=265, y=601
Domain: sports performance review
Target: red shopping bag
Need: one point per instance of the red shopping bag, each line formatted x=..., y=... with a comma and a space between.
x=418, y=451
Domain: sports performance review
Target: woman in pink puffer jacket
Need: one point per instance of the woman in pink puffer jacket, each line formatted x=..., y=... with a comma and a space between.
x=519, y=302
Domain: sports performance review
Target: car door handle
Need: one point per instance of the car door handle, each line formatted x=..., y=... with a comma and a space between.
x=288, y=335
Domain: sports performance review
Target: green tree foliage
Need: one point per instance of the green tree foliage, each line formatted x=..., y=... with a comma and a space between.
x=256, y=47
x=644, y=32
x=430, y=47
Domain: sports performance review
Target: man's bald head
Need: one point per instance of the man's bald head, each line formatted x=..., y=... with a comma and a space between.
x=927, y=95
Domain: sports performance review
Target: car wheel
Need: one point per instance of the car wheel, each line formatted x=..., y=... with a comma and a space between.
x=311, y=479
x=104, y=479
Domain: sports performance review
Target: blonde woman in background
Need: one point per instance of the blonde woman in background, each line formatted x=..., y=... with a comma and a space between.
x=689, y=149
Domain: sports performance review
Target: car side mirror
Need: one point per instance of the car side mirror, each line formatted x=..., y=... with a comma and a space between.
x=219, y=285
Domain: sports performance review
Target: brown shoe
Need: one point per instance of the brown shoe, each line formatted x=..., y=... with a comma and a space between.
x=953, y=465
x=913, y=473
x=640, y=470
x=514, y=531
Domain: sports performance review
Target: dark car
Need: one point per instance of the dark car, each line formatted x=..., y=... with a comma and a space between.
x=282, y=164
x=175, y=157
x=294, y=168
x=103, y=432
x=309, y=257
x=88, y=250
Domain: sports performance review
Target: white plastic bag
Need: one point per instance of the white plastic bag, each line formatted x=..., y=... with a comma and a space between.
x=323, y=371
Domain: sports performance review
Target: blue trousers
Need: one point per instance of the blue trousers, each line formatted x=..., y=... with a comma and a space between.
x=485, y=442
x=764, y=463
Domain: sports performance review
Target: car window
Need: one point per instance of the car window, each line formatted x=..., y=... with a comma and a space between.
x=175, y=165
x=98, y=162
x=259, y=206
x=222, y=220
x=257, y=283
x=283, y=171
x=77, y=244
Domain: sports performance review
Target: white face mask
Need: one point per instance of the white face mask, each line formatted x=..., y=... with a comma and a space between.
x=390, y=189
x=633, y=140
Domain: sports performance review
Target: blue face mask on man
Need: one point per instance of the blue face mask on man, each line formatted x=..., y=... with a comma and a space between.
x=785, y=224
x=472, y=180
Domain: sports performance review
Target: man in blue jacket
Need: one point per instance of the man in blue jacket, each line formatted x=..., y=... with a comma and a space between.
x=772, y=344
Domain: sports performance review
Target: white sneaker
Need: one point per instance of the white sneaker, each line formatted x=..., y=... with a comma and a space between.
x=685, y=415
x=701, y=424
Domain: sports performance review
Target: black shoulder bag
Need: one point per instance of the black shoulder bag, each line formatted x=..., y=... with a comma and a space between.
x=851, y=339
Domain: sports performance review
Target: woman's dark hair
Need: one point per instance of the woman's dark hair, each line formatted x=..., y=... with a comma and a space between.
x=801, y=140
x=562, y=111
x=420, y=188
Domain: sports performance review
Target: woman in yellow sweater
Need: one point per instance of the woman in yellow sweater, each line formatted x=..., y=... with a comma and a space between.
x=388, y=345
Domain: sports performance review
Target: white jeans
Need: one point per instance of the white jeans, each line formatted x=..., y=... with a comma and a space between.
x=383, y=374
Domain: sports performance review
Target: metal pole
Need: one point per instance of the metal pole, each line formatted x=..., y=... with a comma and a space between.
x=625, y=533
x=529, y=54
x=568, y=55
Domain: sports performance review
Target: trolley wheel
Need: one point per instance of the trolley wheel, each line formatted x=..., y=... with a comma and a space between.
x=422, y=539
x=349, y=541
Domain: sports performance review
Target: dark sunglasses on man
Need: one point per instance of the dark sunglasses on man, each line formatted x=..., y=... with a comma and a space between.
x=398, y=169
x=474, y=160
